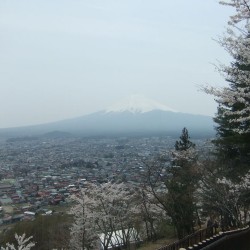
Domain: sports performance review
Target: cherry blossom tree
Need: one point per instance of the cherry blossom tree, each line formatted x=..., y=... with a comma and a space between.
x=23, y=243
x=233, y=115
x=235, y=99
x=226, y=197
x=104, y=213
x=151, y=213
x=82, y=233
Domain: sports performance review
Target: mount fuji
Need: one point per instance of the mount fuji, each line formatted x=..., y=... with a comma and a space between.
x=137, y=104
x=132, y=116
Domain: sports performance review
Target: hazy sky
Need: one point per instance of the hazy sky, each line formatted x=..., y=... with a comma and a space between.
x=66, y=58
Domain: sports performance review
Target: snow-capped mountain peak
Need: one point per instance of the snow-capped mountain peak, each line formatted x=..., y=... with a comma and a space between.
x=137, y=104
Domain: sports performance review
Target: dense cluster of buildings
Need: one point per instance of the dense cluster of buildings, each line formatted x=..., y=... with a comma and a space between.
x=37, y=173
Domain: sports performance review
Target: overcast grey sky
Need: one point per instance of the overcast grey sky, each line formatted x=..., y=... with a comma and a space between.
x=66, y=58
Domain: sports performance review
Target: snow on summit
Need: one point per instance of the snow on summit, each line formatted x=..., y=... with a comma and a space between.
x=137, y=104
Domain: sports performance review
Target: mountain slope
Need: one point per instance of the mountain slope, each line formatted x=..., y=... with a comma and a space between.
x=125, y=123
x=134, y=116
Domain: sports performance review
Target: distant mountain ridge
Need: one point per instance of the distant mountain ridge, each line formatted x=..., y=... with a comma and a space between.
x=136, y=116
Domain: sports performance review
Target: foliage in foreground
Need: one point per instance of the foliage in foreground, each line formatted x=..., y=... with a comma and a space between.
x=22, y=243
x=48, y=232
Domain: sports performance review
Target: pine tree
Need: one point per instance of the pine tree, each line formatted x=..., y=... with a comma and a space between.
x=184, y=143
x=181, y=185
